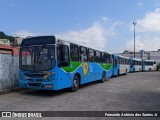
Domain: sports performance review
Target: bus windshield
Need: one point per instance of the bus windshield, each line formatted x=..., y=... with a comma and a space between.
x=37, y=58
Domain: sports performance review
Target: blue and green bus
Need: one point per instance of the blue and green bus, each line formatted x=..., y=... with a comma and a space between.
x=52, y=64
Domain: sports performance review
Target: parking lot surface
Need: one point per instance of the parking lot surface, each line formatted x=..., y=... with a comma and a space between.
x=132, y=92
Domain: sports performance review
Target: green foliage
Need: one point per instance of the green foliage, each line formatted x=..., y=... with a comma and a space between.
x=4, y=36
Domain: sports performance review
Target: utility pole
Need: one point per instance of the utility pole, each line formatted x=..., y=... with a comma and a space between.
x=134, y=23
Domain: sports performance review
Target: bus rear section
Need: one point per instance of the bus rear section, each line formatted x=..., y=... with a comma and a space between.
x=148, y=65
x=135, y=65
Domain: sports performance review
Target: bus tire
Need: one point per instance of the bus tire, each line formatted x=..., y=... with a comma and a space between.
x=126, y=72
x=75, y=84
x=103, y=77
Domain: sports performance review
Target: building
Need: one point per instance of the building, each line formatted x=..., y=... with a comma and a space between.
x=147, y=55
x=137, y=55
x=155, y=55
x=18, y=41
x=4, y=42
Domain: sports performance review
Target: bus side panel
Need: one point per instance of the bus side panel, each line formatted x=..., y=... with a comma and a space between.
x=132, y=68
x=84, y=72
x=115, y=70
x=149, y=67
x=94, y=72
x=88, y=72
x=108, y=68
x=115, y=66
x=124, y=69
x=138, y=68
x=109, y=72
x=63, y=80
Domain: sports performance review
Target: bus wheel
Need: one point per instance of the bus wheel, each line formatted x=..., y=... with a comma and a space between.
x=103, y=77
x=75, y=84
x=118, y=74
x=126, y=72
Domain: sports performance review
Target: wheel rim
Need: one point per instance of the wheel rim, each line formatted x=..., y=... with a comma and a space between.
x=104, y=75
x=75, y=83
x=103, y=79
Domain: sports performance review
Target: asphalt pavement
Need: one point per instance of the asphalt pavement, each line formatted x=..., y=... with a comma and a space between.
x=132, y=92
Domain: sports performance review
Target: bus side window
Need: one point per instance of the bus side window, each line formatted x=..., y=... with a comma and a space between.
x=83, y=54
x=74, y=52
x=63, y=55
x=118, y=60
x=97, y=56
x=103, y=57
x=110, y=59
x=107, y=58
x=90, y=55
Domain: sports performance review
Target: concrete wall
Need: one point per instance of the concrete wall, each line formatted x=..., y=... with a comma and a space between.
x=9, y=72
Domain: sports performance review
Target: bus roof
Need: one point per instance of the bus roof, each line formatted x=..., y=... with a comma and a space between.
x=85, y=46
x=149, y=60
x=115, y=54
x=38, y=40
x=136, y=59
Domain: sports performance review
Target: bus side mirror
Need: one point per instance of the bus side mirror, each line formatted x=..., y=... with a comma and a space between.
x=63, y=55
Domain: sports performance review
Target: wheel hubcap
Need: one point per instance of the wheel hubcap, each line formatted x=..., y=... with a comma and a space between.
x=75, y=84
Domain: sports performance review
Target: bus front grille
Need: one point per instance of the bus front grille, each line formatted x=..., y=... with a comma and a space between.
x=34, y=84
x=35, y=74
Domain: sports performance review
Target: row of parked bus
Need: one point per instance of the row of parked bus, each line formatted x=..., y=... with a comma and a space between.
x=51, y=64
x=123, y=65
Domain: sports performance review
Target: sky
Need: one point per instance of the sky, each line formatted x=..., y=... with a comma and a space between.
x=100, y=24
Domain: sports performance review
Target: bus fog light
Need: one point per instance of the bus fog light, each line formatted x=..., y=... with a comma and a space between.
x=48, y=86
x=45, y=77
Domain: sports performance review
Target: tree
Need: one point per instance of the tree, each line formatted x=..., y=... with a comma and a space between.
x=2, y=35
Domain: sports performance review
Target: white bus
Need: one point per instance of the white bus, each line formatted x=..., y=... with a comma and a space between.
x=148, y=65
x=120, y=65
x=135, y=65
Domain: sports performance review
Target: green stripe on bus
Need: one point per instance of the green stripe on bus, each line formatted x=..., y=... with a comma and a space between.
x=72, y=67
x=106, y=66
